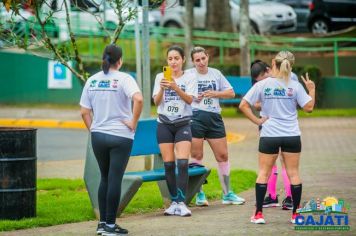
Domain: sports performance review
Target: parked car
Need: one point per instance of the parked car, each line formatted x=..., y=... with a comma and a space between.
x=301, y=8
x=266, y=17
x=329, y=15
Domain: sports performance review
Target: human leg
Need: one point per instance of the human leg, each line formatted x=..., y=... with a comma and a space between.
x=272, y=199
x=287, y=203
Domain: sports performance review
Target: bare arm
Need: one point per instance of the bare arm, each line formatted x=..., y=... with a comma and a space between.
x=311, y=89
x=86, y=116
x=246, y=109
x=229, y=93
x=136, y=111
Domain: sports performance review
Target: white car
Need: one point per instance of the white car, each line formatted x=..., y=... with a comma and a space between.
x=265, y=17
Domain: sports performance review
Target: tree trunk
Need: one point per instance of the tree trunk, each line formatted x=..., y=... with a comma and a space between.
x=189, y=15
x=218, y=16
x=244, y=41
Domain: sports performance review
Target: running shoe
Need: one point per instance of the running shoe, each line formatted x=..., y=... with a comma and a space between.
x=116, y=230
x=270, y=202
x=171, y=210
x=232, y=198
x=287, y=204
x=182, y=210
x=100, y=228
x=294, y=216
x=201, y=200
x=258, y=218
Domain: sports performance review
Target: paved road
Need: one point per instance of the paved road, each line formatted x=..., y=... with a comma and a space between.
x=327, y=168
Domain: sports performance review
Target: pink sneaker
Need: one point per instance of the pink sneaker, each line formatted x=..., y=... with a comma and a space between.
x=294, y=216
x=258, y=218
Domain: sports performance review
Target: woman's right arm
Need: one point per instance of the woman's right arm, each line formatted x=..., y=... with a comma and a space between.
x=309, y=106
x=157, y=99
x=86, y=116
x=246, y=109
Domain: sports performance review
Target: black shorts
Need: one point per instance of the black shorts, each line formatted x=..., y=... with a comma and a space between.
x=271, y=145
x=207, y=125
x=172, y=134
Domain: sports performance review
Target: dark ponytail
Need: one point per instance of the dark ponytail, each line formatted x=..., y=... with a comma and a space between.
x=112, y=54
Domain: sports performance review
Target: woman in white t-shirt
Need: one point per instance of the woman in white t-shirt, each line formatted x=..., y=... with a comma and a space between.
x=107, y=113
x=279, y=97
x=173, y=99
x=207, y=123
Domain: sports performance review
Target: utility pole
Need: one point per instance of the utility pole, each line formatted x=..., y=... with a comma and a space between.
x=146, y=82
x=138, y=52
x=189, y=15
x=244, y=38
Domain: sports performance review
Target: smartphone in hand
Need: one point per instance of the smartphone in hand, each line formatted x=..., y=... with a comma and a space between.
x=167, y=73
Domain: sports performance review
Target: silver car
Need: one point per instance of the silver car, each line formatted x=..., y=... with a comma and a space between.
x=266, y=17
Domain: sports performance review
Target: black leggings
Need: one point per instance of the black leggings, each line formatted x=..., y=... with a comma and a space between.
x=112, y=153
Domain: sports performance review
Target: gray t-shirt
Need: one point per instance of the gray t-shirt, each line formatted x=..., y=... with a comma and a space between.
x=110, y=98
x=213, y=80
x=279, y=103
x=172, y=105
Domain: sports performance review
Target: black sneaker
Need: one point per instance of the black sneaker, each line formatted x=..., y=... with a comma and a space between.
x=269, y=202
x=287, y=204
x=100, y=228
x=116, y=230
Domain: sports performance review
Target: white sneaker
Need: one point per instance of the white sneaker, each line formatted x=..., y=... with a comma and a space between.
x=171, y=210
x=182, y=210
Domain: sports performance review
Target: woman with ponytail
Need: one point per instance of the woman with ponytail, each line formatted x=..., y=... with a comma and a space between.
x=107, y=113
x=279, y=97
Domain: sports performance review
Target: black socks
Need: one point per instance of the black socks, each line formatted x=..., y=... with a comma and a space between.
x=170, y=168
x=260, y=195
x=296, y=195
x=182, y=182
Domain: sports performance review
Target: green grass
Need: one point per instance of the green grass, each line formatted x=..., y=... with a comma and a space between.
x=61, y=201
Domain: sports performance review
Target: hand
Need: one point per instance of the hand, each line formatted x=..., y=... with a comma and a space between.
x=199, y=98
x=209, y=94
x=165, y=84
x=130, y=124
x=308, y=83
x=262, y=120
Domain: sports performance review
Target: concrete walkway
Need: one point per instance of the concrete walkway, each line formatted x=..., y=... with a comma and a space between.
x=328, y=167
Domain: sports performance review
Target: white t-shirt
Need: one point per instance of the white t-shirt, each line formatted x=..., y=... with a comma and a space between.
x=109, y=96
x=213, y=80
x=279, y=103
x=172, y=105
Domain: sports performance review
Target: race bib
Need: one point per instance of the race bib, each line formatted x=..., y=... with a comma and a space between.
x=173, y=108
x=208, y=103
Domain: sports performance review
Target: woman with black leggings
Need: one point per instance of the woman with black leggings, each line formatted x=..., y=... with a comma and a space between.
x=106, y=110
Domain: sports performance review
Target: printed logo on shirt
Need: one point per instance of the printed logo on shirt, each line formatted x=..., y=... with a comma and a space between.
x=114, y=83
x=267, y=92
x=104, y=84
x=279, y=92
x=93, y=83
x=171, y=95
x=290, y=92
x=206, y=85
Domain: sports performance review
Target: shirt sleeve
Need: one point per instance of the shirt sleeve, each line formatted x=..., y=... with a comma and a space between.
x=130, y=87
x=302, y=96
x=84, y=99
x=157, y=86
x=254, y=94
x=224, y=83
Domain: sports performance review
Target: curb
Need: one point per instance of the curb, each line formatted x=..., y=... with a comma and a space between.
x=38, y=123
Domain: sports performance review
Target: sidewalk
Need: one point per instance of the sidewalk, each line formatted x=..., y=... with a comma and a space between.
x=328, y=166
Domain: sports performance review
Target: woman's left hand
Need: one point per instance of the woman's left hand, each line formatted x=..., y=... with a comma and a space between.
x=209, y=94
x=130, y=124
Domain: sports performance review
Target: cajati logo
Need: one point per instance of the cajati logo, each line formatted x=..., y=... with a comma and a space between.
x=327, y=214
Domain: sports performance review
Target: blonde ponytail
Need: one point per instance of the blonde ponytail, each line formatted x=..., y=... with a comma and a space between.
x=284, y=61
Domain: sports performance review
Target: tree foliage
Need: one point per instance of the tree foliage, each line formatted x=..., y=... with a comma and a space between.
x=37, y=31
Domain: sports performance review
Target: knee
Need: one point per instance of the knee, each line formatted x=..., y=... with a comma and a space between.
x=222, y=157
x=293, y=176
x=197, y=155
